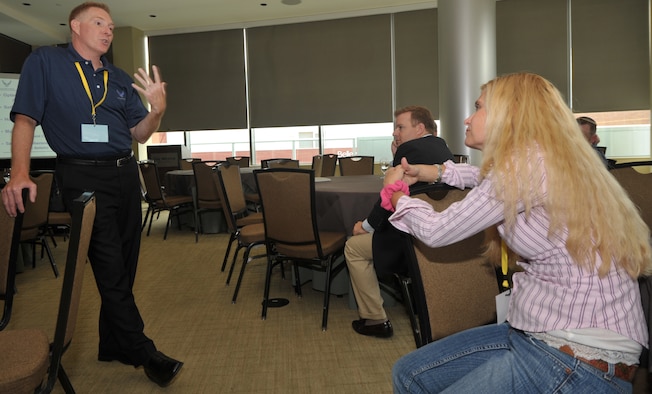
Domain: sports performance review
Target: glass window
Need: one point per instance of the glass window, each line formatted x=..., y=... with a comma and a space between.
x=369, y=139
x=298, y=143
x=625, y=134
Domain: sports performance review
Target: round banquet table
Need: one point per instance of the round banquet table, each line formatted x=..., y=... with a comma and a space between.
x=341, y=201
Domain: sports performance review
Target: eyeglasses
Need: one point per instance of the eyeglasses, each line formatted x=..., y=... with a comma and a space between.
x=586, y=120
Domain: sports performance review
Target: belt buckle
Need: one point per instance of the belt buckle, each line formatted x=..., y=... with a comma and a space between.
x=122, y=161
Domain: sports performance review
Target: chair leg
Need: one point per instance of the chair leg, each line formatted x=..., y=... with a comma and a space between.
x=245, y=261
x=297, y=278
x=235, y=257
x=327, y=294
x=268, y=278
x=55, y=269
x=405, y=283
x=142, y=227
x=167, y=226
x=65, y=381
x=151, y=218
x=228, y=250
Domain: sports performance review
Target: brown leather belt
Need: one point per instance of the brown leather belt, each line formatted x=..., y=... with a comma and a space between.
x=621, y=370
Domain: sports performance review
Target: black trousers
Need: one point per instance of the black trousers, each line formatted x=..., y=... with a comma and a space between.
x=113, y=253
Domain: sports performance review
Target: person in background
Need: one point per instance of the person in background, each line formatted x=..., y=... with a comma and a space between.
x=575, y=321
x=368, y=252
x=90, y=112
x=589, y=128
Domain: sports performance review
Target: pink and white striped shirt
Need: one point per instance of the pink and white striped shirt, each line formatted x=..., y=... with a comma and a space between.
x=553, y=293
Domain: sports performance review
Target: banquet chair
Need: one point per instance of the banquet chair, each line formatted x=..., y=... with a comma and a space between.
x=29, y=362
x=9, y=237
x=283, y=163
x=247, y=229
x=35, y=221
x=356, y=165
x=265, y=162
x=638, y=185
x=158, y=200
x=454, y=286
x=291, y=233
x=241, y=161
x=324, y=165
x=207, y=198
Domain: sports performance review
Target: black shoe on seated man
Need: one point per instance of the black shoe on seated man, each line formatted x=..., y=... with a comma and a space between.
x=161, y=369
x=372, y=328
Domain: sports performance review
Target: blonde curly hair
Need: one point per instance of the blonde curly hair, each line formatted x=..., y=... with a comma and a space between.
x=527, y=117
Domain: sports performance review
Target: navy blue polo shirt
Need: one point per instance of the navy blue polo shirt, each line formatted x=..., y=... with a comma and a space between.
x=50, y=91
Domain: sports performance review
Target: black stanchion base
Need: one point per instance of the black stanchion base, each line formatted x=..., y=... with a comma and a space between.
x=277, y=302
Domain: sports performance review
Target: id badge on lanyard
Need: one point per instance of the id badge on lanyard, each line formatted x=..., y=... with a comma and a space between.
x=502, y=299
x=94, y=132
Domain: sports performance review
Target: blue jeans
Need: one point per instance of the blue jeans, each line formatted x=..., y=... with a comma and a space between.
x=499, y=359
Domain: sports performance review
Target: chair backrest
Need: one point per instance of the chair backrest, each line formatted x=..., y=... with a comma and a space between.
x=356, y=165
x=241, y=161
x=638, y=185
x=186, y=164
x=10, y=229
x=288, y=199
x=230, y=174
x=265, y=162
x=83, y=215
x=282, y=163
x=324, y=165
x=454, y=286
x=222, y=175
x=205, y=181
x=36, y=213
x=152, y=183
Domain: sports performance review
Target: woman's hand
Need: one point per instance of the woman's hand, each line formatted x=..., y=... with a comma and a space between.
x=392, y=175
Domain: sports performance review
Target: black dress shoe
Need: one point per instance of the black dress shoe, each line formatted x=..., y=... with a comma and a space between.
x=161, y=369
x=382, y=330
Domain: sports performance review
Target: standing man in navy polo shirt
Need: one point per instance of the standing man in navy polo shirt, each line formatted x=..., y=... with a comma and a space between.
x=90, y=111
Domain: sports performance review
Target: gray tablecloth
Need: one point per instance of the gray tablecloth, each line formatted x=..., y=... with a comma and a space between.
x=344, y=200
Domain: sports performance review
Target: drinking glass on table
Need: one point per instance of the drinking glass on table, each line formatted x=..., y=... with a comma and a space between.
x=384, y=166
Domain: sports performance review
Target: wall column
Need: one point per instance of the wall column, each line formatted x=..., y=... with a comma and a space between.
x=129, y=54
x=467, y=59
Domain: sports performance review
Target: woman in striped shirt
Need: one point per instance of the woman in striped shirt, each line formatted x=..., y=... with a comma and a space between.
x=575, y=321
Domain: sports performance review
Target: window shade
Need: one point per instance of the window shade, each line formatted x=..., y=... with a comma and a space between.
x=205, y=78
x=416, y=59
x=611, y=69
x=531, y=35
x=320, y=73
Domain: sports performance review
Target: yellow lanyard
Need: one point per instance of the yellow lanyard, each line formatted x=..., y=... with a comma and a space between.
x=504, y=262
x=88, y=90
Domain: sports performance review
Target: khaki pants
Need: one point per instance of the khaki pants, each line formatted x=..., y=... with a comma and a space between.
x=359, y=259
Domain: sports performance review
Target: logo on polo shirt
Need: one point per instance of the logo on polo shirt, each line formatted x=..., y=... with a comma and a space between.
x=121, y=94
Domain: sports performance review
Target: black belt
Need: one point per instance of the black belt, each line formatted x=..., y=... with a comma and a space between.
x=117, y=162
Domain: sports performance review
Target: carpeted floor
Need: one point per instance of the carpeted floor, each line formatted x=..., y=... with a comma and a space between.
x=226, y=347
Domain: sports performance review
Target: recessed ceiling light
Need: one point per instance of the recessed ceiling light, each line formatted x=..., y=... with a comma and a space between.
x=291, y=2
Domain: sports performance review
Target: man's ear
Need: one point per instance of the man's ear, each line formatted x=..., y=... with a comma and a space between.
x=74, y=26
x=422, y=129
